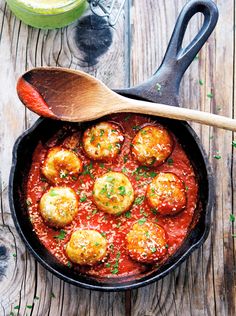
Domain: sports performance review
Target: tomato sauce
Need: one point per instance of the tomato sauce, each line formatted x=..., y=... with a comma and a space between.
x=113, y=227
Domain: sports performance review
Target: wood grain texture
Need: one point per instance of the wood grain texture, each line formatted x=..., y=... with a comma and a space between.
x=203, y=285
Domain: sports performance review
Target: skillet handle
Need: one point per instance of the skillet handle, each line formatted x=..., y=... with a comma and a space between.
x=163, y=86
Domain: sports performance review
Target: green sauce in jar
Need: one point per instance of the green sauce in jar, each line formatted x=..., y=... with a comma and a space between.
x=48, y=14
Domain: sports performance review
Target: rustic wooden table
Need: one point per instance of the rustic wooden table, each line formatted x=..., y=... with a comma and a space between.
x=126, y=55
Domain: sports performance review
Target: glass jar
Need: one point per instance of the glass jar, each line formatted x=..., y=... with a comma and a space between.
x=47, y=14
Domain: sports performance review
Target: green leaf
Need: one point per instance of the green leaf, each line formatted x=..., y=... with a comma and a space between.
x=122, y=190
x=170, y=161
x=128, y=214
x=141, y=221
x=153, y=249
x=158, y=86
x=17, y=307
x=61, y=235
x=83, y=198
x=29, y=306
x=232, y=218
x=210, y=95
x=115, y=271
x=234, y=143
x=152, y=174
x=53, y=192
x=217, y=156
x=201, y=82
x=139, y=200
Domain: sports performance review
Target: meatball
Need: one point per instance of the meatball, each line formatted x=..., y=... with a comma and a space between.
x=113, y=193
x=58, y=206
x=60, y=164
x=86, y=247
x=166, y=193
x=103, y=141
x=152, y=145
x=146, y=242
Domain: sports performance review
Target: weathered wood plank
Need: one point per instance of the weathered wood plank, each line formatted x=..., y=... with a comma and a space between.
x=25, y=282
x=205, y=284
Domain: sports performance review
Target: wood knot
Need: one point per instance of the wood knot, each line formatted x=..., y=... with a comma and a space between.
x=93, y=37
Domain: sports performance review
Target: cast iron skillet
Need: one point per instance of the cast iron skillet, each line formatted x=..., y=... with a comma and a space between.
x=168, y=77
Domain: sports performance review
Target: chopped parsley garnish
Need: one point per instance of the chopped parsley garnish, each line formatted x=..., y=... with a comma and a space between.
x=210, y=95
x=152, y=174
x=217, y=156
x=141, y=221
x=107, y=265
x=102, y=132
x=74, y=178
x=186, y=188
x=63, y=174
x=94, y=212
x=96, y=244
x=139, y=200
x=147, y=234
x=125, y=158
x=98, y=145
x=36, y=297
x=115, y=269
x=17, y=307
x=153, y=249
x=136, y=127
x=28, y=202
x=29, y=306
x=69, y=265
x=53, y=193
x=234, y=143
x=111, y=246
x=143, y=132
x=87, y=170
x=14, y=255
x=62, y=234
x=170, y=161
x=201, y=82
x=128, y=214
x=122, y=190
x=43, y=179
x=110, y=147
x=83, y=198
x=143, y=212
x=104, y=234
x=101, y=165
x=232, y=218
x=92, y=138
x=127, y=117
x=124, y=170
x=158, y=85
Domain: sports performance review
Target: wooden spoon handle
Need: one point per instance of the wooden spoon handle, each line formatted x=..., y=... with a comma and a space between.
x=177, y=113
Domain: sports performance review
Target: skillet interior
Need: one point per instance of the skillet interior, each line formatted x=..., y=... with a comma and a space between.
x=42, y=130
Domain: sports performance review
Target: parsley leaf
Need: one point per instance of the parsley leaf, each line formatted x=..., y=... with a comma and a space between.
x=61, y=235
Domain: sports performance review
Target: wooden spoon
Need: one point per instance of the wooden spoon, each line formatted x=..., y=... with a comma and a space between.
x=75, y=96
